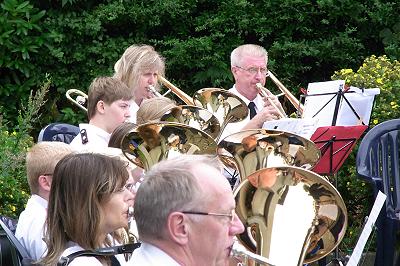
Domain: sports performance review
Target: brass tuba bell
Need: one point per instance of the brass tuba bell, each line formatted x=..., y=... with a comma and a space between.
x=226, y=106
x=152, y=142
x=292, y=215
x=194, y=116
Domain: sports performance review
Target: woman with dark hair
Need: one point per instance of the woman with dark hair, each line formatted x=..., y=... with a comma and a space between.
x=88, y=204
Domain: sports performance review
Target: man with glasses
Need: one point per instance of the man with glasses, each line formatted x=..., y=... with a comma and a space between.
x=184, y=211
x=249, y=67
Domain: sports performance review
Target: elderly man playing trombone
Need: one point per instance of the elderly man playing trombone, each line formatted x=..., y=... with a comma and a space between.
x=249, y=69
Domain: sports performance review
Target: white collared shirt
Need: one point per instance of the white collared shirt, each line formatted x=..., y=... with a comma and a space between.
x=30, y=227
x=133, y=110
x=73, y=247
x=150, y=255
x=97, y=138
x=236, y=127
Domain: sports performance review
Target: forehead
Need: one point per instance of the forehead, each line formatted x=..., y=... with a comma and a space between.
x=258, y=61
x=213, y=182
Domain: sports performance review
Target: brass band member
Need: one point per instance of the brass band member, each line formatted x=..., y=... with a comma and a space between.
x=185, y=214
x=109, y=101
x=138, y=68
x=249, y=67
x=88, y=204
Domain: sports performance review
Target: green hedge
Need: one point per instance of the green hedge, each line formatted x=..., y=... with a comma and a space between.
x=75, y=41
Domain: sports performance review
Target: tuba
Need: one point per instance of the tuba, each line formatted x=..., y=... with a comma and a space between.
x=226, y=106
x=151, y=143
x=292, y=216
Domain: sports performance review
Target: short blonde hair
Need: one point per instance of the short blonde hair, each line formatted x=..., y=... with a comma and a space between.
x=41, y=159
x=247, y=50
x=136, y=60
x=151, y=110
x=107, y=89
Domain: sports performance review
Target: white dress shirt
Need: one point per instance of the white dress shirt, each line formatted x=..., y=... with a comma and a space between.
x=86, y=260
x=150, y=255
x=133, y=110
x=97, y=138
x=30, y=227
x=236, y=127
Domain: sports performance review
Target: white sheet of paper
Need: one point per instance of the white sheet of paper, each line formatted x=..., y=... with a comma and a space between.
x=304, y=127
x=360, y=100
x=315, y=103
x=362, y=240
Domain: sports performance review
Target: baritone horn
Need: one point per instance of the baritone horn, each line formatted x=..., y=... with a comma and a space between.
x=80, y=100
x=279, y=198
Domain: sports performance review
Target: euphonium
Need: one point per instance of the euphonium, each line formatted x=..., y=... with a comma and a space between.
x=226, y=106
x=152, y=142
x=292, y=215
x=194, y=116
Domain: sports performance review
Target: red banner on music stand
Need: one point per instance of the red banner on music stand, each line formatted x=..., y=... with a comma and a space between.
x=335, y=144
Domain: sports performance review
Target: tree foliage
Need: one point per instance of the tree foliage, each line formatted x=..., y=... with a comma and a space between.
x=75, y=41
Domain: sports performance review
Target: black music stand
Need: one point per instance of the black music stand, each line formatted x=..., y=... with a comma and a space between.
x=335, y=144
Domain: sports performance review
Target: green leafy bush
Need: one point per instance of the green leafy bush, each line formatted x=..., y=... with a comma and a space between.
x=375, y=72
x=14, y=144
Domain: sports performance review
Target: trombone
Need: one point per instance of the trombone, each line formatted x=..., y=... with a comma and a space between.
x=181, y=95
x=80, y=100
x=292, y=99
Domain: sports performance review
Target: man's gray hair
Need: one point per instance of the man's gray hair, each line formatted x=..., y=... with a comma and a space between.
x=169, y=186
x=249, y=50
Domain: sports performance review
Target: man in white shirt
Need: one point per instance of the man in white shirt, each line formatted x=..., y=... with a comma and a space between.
x=41, y=160
x=249, y=67
x=138, y=68
x=109, y=101
x=185, y=214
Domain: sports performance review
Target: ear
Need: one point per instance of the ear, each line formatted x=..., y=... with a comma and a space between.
x=45, y=182
x=100, y=107
x=178, y=228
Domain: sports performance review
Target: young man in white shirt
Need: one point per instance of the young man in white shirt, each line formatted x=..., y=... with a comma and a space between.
x=109, y=100
x=41, y=160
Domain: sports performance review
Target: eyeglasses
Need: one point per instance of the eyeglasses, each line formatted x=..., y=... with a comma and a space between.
x=254, y=70
x=231, y=215
x=131, y=187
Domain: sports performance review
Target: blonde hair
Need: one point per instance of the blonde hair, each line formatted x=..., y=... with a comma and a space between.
x=41, y=159
x=136, y=60
x=151, y=110
x=107, y=89
x=247, y=50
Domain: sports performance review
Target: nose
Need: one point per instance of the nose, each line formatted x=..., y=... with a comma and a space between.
x=237, y=226
x=152, y=79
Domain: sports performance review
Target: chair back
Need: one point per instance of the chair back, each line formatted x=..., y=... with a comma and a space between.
x=58, y=132
x=378, y=162
x=12, y=253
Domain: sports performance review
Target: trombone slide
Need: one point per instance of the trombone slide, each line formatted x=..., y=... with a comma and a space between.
x=263, y=93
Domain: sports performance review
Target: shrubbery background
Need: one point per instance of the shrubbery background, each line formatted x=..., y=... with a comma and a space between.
x=75, y=41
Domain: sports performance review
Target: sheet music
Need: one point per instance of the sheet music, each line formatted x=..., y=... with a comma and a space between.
x=315, y=103
x=361, y=101
x=323, y=106
x=304, y=127
x=362, y=240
